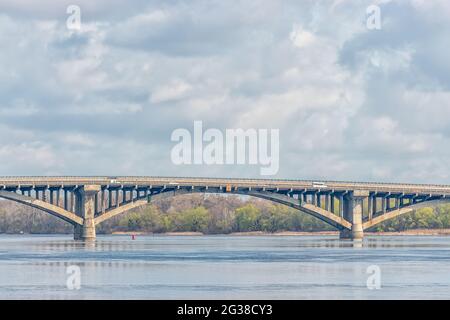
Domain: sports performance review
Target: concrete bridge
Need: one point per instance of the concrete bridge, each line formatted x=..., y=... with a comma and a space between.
x=350, y=207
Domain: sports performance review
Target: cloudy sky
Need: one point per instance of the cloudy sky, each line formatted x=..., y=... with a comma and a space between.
x=351, y=103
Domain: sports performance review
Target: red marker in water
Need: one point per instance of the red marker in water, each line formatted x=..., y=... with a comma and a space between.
x=133, y=237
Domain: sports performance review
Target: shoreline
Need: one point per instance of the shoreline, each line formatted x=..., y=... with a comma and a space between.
x=415, y=232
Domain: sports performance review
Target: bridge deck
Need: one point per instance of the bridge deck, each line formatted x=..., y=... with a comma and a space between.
x=431, y=189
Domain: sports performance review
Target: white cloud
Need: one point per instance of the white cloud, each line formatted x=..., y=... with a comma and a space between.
x=78, y=139
x=301, y=38
x=29, y=155
x=350, y=103
x=176, y=89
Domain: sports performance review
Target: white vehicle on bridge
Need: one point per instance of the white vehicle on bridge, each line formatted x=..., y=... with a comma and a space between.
x=319, y=185
x=113, y=180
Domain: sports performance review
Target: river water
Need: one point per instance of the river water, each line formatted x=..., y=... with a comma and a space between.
x=224, y=267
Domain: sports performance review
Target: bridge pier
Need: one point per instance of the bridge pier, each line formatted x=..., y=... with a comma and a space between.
x=85, y=208
x=352, y=206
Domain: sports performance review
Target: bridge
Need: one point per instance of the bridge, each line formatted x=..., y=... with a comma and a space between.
x=350, y=207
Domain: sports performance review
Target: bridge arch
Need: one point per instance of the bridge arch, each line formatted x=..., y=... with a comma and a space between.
x=56, y=211
x=396, y=213
x=324, y=215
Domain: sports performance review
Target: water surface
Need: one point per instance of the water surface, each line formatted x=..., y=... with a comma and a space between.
x=224, y=267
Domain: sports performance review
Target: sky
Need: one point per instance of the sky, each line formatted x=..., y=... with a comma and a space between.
x=350, y=102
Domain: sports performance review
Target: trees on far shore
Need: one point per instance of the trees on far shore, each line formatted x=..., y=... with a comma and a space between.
x=209, y=214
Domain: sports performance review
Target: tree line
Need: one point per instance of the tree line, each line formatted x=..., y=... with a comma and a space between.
x=209, y=214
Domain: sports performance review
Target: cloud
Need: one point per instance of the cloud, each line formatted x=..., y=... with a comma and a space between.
x=350, y=103
x=177, y=89
x=301, y=38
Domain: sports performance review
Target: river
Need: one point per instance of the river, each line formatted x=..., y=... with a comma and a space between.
x=224, y=267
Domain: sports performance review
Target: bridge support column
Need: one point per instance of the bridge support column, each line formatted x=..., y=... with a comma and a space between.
x=86, y=209
x=353, y=205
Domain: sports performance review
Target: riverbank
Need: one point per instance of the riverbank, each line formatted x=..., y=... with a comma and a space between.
x=416, y=232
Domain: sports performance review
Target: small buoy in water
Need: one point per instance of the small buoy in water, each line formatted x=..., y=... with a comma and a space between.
x=133, y=237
